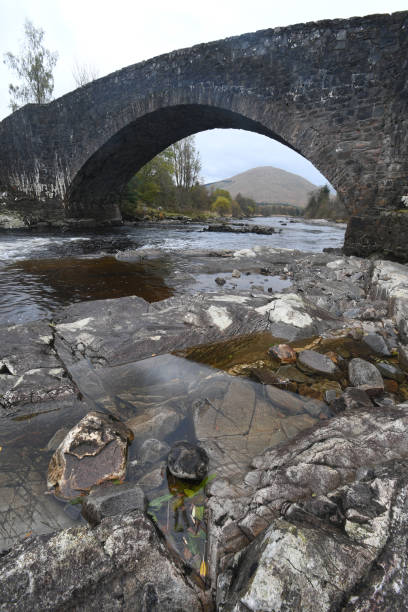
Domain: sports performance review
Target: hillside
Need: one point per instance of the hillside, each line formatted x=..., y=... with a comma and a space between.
x=268, y=185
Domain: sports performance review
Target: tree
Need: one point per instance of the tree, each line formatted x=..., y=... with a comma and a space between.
x=186, y=162
x=222, y=206
x=84, y=73
x=153, y=184
x=34, y=67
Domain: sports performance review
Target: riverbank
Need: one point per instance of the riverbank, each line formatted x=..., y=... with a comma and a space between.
x=340, y=431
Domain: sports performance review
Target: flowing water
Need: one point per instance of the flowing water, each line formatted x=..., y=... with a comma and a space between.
x=40, y=274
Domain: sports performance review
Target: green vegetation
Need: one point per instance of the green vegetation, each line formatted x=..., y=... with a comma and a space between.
x=168, y=186
x=34, y=68
x=322, y=205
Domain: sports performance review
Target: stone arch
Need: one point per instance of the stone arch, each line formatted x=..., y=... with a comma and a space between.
x=104, y=175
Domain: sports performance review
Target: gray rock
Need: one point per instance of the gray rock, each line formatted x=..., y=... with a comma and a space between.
x=403, y=355
x=187, y=461
x=354, y=398
x=122, y=564
x=365, y=376
x=311, y=361
x=154, y=478
x=377, y=344
x=220, y=281
x=388, y=370
x=303, y=563
x=152, y=450
x=156, y=422
x=236, y=274
x=112, y=500
x=330, y=395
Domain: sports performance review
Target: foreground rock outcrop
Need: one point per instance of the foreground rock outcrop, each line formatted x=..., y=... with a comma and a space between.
x=122, y=564
x=321, y=522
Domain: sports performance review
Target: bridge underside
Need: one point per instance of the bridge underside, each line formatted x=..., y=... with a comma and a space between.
x=101, y=181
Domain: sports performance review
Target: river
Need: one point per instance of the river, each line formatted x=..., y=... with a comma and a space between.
x=40, y=273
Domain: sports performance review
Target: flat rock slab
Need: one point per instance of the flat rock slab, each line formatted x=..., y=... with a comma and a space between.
x=94, y=451
x=365, y=376
x=312, y=361
x=120, y=565
x=30, y=371
x=123, y=330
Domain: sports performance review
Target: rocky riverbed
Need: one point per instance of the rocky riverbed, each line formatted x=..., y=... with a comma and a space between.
x=292, y=380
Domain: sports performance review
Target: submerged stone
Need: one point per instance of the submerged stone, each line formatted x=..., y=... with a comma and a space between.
x=283, y=352
x=187, y=461
x=93, y=452
x=388, y=370
x=113, y=500
x=356, y=398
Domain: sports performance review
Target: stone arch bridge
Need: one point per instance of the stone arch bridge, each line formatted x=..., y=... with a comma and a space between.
x=334, y=91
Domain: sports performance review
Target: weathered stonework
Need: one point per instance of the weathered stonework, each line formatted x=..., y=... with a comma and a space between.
x=335, y=91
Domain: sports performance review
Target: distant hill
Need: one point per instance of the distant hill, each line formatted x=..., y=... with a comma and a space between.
x=268, y=185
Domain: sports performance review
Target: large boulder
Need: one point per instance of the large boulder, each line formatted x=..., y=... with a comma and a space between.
x=122, y=564
x=93, y=452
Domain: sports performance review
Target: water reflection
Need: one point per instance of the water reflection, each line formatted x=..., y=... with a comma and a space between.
x=165, y=398
x=36, y=288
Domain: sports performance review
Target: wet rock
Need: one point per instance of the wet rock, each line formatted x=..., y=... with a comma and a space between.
x=236, y=274
x=391, y=386
x=152, y=450
x=240, y=228
x=56, y=439
x=292, y=373
x=365, y=376
x=388, y=370
x=283, y=352
x=330, y=395
x=122, y=564
x=154, y=422
x=377, y=344
x=354, y=398
x=220, y=281
x=187, y=461
x=403, y=355
x=311, y=361
x=93, y=452
x=113, y=500
x=268, y=377
x=154, y=478
x=318, y=389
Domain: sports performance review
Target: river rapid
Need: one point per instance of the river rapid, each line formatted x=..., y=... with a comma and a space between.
x=40, y=273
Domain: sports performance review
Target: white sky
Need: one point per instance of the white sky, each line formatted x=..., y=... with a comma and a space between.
x=112, y=34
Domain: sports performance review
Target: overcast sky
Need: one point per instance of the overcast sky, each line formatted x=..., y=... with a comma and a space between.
x=110, y=35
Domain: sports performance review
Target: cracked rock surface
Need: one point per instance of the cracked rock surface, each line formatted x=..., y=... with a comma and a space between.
x=122, y=564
